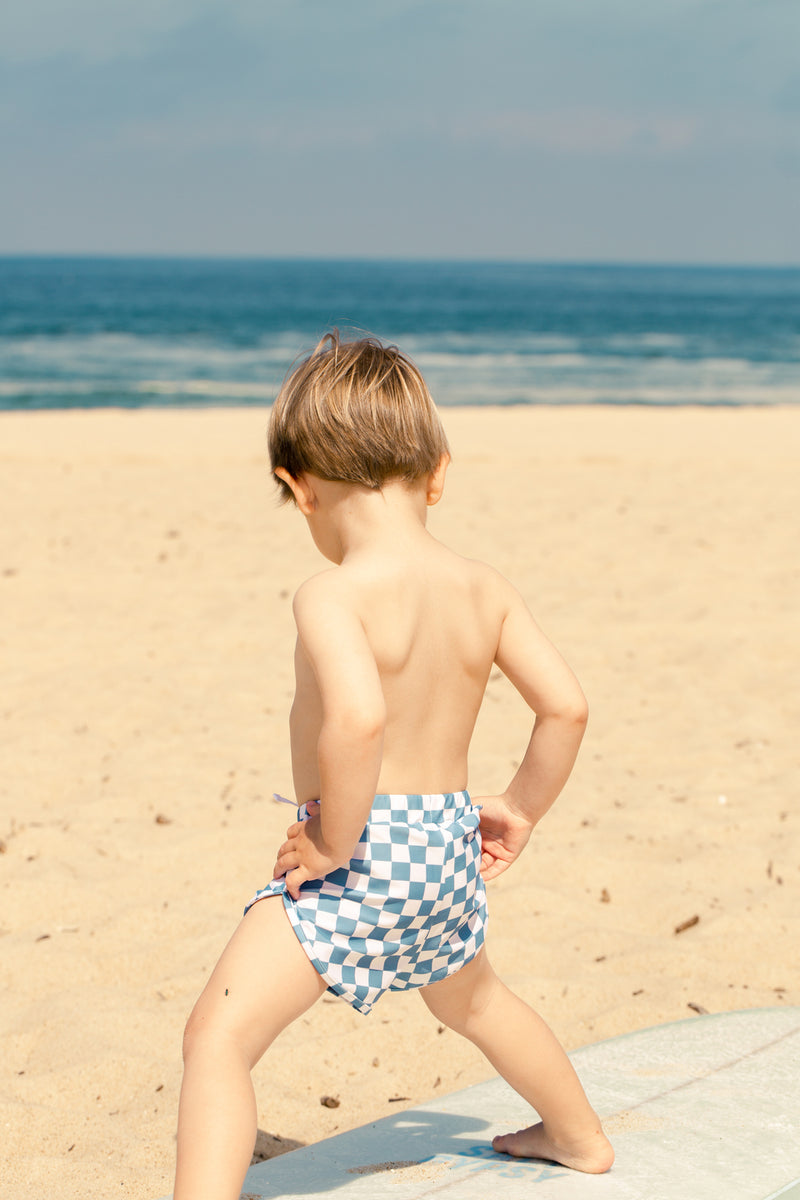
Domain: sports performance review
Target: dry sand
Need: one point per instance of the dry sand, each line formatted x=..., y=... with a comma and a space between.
x=145, y=582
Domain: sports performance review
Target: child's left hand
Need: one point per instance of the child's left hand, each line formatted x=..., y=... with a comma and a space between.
x=504, y=834
x=303, y=855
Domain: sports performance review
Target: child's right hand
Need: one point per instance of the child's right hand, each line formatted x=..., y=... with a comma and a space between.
x=504, y=834
x=303, y=855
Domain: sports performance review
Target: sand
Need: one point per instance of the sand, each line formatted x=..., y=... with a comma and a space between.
x=146, y=575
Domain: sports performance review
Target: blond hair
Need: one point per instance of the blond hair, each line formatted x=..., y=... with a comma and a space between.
x=357, y=412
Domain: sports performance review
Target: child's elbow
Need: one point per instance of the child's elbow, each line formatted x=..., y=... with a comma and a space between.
x=370, y=726
x=363, y=723
x=576, y=710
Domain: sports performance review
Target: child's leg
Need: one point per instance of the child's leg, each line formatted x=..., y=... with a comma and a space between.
x=262, y=982
x=526, y=1053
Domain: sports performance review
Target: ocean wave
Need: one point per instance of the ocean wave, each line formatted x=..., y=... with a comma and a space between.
x=208, y=388
x=131, y=371
x=475, y=392
x=123, y=354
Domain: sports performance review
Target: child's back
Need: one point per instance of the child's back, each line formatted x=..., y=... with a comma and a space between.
x=433, y=622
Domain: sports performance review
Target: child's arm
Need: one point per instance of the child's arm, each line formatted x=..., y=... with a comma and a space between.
x=350, y=741
x=547, y=684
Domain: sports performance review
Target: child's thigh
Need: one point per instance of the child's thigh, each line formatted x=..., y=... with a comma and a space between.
x=262, y=982
x=462, y=996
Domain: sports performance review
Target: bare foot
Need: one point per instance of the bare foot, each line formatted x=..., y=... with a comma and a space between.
x=593, y=1154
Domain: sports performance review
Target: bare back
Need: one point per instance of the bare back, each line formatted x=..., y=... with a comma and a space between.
x=432, y=621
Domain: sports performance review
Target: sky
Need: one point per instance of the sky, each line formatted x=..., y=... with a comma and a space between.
x=569, y=130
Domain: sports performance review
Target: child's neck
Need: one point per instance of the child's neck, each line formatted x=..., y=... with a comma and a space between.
x=389, y=519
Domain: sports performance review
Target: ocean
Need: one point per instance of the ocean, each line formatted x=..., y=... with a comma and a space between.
x=134, y=332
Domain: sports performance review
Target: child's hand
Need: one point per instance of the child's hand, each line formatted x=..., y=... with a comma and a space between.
x=303, y=855
x=504, y=834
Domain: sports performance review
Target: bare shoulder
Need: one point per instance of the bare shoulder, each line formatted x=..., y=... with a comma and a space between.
x=324, y=602
x=495, y=590
x=317, y=588
x=328, y=587
x=326, y=607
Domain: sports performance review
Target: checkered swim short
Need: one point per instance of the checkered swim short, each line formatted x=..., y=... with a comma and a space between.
x=409, y=908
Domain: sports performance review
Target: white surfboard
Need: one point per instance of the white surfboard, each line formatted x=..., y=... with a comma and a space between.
x=702, y=1109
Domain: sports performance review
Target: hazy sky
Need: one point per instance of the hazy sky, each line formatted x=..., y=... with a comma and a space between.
x=644, y=130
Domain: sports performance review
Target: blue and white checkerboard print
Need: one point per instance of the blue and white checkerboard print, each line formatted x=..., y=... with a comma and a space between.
x=409, y=908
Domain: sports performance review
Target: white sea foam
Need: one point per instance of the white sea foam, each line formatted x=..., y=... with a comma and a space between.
x=116, y=350
x=41, y=371
x=209, y=388
x=636, y=342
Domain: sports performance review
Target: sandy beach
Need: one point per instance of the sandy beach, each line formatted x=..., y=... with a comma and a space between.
x=146, y=575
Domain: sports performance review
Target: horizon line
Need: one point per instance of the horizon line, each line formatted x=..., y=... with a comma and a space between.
x=243, y=257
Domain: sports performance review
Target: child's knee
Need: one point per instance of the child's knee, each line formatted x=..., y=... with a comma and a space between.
x=206, y=1032
x=194, y=1033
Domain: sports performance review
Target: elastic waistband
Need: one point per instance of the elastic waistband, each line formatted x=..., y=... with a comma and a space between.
x=388, y=806
x=410, y=807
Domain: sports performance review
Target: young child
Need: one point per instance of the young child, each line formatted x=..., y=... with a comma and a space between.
x=379, y=883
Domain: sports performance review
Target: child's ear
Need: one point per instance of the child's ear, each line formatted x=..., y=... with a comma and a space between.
x=436, y=481
x=303, y=492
